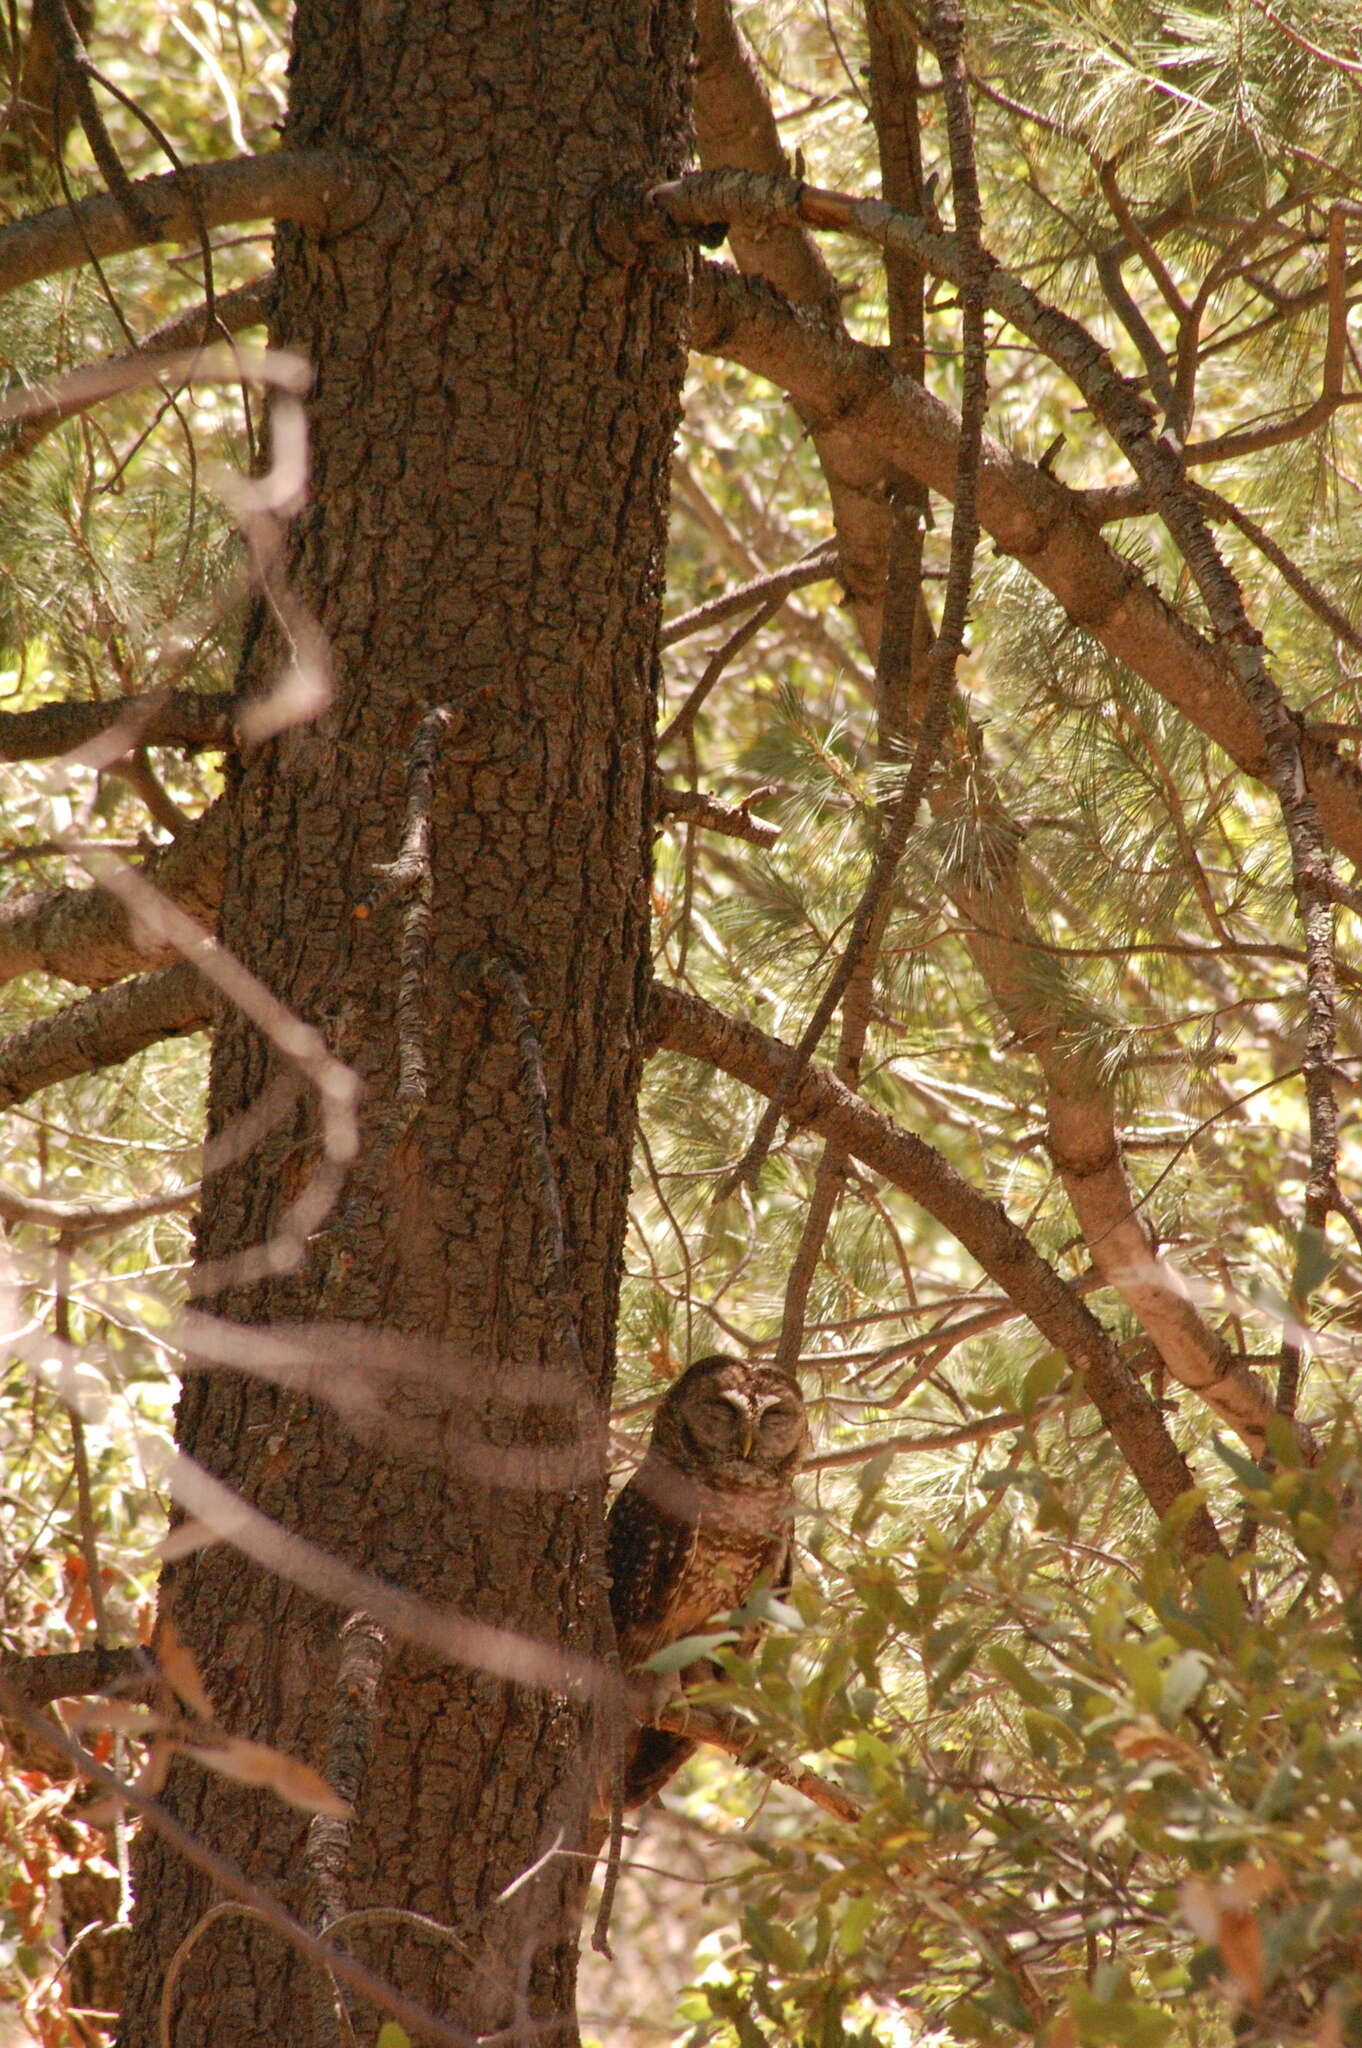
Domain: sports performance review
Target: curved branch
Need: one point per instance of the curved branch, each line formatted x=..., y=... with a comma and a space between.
x=737, y=1739
x=318, y=188
x=247, y=306
x=71, y=1220
x=685, y=1024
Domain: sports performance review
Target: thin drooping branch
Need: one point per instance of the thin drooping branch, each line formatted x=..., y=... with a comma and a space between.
x=815, y=568
x=174, y=718
x=734, y=821
x=903, y=643
x=947, y=30
x=316, y=188
x=1291, y=573
x=685, y=1024
x=75, y=75
x=679, y=726
x=103, y=1030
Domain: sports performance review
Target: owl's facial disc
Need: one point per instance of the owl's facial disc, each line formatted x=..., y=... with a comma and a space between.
x=746, y=1422
x=723, y=1422
x=780, y=1422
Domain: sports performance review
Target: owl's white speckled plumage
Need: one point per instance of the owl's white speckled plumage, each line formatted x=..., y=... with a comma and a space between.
x=706, y=1517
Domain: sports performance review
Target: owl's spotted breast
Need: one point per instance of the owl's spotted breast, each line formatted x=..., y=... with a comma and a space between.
x=706, y=1517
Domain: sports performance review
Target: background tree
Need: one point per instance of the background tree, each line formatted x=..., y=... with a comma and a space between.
x=1049, y=1206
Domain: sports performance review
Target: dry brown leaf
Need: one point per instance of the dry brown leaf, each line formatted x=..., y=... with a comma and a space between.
x=254, y=1763
x=1139, y=1740
x=1220, y=1914
x=150, y=1780
x=176, y=1663
x=1240, y=1942
x=1248, y=1884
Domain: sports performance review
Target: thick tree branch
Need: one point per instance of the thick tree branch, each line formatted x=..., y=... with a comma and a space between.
x=102, y=1030
x=178, y=718
x=685, y=1024
x=76, y=1674
x=87, y=936
x=868, y=423
x=317, y=188
x=735, y=125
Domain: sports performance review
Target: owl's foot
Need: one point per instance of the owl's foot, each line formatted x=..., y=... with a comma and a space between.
x=650, y=1694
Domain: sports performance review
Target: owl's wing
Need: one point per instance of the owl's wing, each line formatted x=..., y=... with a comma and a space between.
x=777, y=1568
x=647, y=1552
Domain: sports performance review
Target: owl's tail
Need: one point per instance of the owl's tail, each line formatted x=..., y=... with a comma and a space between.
x=655, y=1756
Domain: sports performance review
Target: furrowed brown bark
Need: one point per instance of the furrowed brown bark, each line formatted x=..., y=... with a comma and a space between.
x=490, y=429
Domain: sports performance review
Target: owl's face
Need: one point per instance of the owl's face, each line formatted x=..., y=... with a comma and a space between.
x=740, y=1424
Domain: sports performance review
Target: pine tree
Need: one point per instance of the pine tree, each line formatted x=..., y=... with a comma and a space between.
x=1002, y=1036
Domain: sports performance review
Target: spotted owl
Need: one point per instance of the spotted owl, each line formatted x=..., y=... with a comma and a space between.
x=708, y=1514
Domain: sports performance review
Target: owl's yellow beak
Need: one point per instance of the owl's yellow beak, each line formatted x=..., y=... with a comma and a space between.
x=748, y=1437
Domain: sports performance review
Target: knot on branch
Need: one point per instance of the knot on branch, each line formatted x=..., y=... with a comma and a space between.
x=624, y=218
x=706, y=204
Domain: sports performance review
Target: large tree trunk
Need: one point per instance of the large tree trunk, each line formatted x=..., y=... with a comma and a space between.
x=490, y=428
